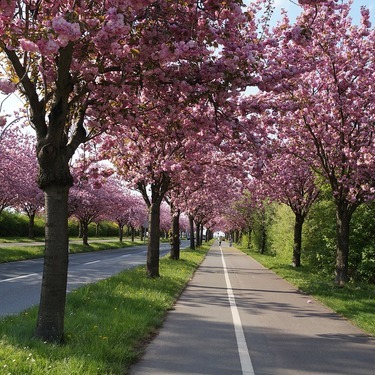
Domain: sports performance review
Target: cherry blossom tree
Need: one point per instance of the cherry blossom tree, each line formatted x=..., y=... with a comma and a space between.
x=165, y=218
x=126, y=209
x=66, y=58
x=175, y=227
x=327, y=112
x=30, y=198
x=10, y=169
x=290, y=180
x=87, y=204
x=202, y=59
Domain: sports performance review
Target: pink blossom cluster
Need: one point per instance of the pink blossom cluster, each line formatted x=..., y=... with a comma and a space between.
x=311, y=2
x=66, y=31
x=7, y=87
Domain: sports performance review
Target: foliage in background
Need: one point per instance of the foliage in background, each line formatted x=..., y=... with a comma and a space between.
x=281, y=231
x=263, y=219
x=362, y=239
x=319, y=238
x=103, y=229
x=17, y=225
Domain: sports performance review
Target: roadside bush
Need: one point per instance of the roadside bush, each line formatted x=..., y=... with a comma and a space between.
x=362, y=242
x=104, y=229
x=319, y=236
x=260, y=238
x=14, y=224
x=281, y=231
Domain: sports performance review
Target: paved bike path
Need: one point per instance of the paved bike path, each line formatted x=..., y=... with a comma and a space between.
x=237, y=317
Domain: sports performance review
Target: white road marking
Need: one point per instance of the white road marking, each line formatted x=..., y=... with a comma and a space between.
x=18, y=277
x=243, y=351
x=94, y=261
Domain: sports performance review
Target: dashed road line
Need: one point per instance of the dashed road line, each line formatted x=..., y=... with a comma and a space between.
x=18, y=277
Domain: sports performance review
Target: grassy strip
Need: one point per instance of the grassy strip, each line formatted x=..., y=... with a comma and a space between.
x=106, y=323
x=15, y=253
x=19, y=239
x=355, y=302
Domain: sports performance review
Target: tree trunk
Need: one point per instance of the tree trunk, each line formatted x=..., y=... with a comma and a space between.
x=343, y=217
x=197, y=231
x=192, y=242
x=31, y=225
x=236, y=236
x=208, y=235
x=80, y=231
x=153, y=250
x=249, y=229
x=297, y=243
x=263, y=239
x=85, y=233
x=132, y=233
x=175, y=248
x=120, y=232
x=50, y=323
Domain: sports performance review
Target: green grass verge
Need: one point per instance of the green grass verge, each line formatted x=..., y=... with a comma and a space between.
x=19, y=239
x=106, y=325
x=16, y=252
x=355, y=302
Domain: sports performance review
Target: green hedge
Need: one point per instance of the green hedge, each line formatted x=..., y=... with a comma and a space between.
x=105, y=229
x=17, y=225
x=319, y=238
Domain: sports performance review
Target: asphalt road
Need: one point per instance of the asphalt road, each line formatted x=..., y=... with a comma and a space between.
x=237, y=318
x=20, y=282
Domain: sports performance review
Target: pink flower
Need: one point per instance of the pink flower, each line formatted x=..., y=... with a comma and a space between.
x=29, y=46
x=3, y=121
x=48, y=47
x=66, y=30
x=7, y=87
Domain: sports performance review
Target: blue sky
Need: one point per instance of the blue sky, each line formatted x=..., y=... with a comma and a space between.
x=293, y=9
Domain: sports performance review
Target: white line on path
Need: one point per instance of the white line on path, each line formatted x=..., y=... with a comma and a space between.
x=94, y=261
x=246, y=365
x=18, y=277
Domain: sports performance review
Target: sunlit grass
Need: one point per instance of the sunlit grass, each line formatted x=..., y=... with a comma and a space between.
x=20, y=239
x=14, y=253
x=106, y=325
x=355, y=301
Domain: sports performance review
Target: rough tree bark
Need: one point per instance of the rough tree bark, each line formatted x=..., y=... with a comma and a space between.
x=158, y=191
x=192, y=242
x=175, y=248
x=31, y=226
x=120, y=232
x=297, y=242
x=344, y=214
x=153, y=250
x=50, y=323
x=197, y=233
x=85, y=233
